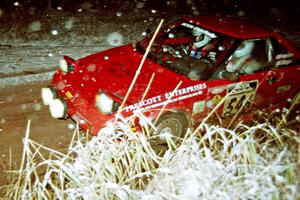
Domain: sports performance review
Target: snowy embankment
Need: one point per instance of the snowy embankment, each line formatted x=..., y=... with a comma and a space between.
x=24, y=79
x=27, y=62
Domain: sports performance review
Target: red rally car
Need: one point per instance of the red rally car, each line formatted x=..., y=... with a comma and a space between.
x=196, y=65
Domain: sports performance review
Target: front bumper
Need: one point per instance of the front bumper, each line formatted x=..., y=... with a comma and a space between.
x=62, y=105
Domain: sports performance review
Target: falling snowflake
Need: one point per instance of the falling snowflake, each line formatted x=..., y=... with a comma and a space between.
x=118, y=14
x=241, y=13
x=54, y=32
x=10, y=98
x=153, y=11
x=69, y=23
x=37, y=107
x=115, y=39
x=91, y=68
x=34, y=26
x=140, y=4
x=71, y=126
x=23, y=107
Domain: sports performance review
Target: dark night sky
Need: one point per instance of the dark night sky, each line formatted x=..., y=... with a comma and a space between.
x=282, y=11
x=259, y=6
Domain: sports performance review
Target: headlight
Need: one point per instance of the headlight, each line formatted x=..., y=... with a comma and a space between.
x=47, y=95
x=67, y=64
x=57, y=108
x=106, y=104
x=63, y=65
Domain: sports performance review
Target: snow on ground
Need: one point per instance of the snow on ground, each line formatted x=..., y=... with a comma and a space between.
x=23, y=79
x=23, y=63
x=28, y=57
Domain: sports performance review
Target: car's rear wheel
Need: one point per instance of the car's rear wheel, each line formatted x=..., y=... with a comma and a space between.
x=170, y=126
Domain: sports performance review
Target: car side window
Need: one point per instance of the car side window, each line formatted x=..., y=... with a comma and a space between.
x=281, y=56
x=249, y=57
x=178, y=32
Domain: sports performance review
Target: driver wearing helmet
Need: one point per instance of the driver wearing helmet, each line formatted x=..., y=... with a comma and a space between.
x=243, y=60
x=200, y=42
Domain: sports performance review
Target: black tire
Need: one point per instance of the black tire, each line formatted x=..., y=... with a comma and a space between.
x=174, y=123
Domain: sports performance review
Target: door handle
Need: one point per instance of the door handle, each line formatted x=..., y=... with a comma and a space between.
x=274, y=77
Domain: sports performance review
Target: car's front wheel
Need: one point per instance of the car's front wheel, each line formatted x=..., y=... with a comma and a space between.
x=170, y=127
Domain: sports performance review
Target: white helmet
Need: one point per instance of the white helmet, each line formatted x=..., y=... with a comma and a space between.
x=197, y=31
x=244, y=49
x=202, y=40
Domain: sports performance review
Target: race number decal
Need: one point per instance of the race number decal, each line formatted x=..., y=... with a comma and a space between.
x=240, y=96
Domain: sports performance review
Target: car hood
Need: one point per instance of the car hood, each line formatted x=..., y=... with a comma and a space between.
x=112, y=71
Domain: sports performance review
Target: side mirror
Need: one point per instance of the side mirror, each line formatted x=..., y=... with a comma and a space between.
x=148, y=31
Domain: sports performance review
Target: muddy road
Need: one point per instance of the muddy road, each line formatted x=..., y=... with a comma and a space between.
x=18, y=104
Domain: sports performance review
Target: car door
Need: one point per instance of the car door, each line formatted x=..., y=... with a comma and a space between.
x=269, y=81
x=282, y=80
x=250, y=62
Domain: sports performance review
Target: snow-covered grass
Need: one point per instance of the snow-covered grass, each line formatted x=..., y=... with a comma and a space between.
x=257, y=162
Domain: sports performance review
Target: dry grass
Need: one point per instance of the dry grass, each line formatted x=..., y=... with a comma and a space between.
x=258, y=162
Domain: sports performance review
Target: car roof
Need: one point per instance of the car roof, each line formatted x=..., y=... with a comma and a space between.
x=229, y=26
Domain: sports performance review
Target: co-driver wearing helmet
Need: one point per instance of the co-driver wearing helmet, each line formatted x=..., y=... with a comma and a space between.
x=200, y=42
x=243, y=60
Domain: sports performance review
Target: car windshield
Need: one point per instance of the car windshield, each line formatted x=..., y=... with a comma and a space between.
x=186, y=49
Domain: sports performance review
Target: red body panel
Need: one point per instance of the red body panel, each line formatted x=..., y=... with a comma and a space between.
x=112, y=72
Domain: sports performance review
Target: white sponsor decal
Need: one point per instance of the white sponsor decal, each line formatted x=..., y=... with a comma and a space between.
x=283, y=62
x=200, y=30
x=198, y=107
x=284, y=59
x=217, y=90
x=169, y=97
x=241, y=96
x=283, y=56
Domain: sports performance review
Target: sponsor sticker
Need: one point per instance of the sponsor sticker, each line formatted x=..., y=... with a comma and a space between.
x=69, y=95
x=168, y=97
x=216, y=99
x=283, y=59
x=241, y=95
x=217, y=90
x=198, y=107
